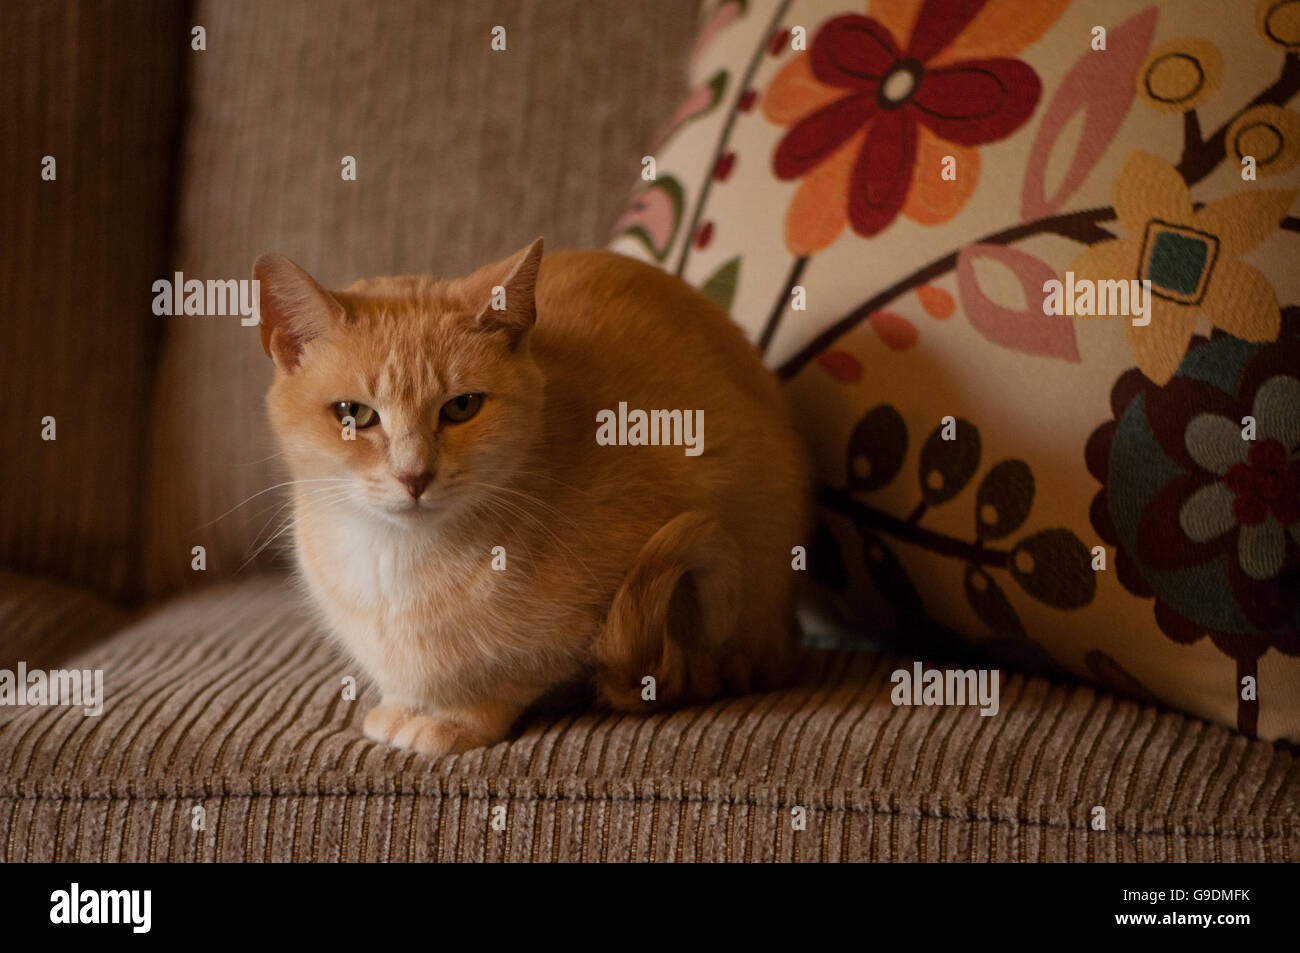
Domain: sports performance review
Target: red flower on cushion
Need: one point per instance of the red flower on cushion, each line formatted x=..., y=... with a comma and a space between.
x=1265, y=483
x=876, y=104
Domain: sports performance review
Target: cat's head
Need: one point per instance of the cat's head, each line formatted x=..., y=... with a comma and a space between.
x=405, y=397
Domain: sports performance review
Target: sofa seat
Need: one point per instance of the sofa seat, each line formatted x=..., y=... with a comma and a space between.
x=230, y=700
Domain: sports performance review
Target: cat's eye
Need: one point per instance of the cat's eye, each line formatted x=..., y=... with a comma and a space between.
x=462, y=408
x=363, y=416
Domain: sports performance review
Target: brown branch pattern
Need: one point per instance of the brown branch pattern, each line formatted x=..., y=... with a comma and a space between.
x=868, y=517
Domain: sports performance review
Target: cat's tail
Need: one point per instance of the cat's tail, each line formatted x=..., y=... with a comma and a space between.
x=677, y=606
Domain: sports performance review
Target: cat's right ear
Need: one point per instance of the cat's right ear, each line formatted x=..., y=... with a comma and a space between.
x=292, y=307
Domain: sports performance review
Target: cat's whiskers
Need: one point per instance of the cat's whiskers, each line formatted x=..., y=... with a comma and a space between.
x=311, y=494
x=271, y=519
x=268, y=490
x=492, y=506
x=252, y=463
x=314, y=495
x=514, y=471
x=518, y=510
x=294, y=520
x=532, y=499
x=283, y=527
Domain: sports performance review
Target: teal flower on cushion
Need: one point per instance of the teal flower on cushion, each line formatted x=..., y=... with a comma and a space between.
x=1203, y=513
x=1205, y=518
x=1259, y=490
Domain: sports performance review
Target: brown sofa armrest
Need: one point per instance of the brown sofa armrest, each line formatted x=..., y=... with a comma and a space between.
x=91, y=102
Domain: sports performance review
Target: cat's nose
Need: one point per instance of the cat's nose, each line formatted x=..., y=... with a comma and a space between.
x=415, y=483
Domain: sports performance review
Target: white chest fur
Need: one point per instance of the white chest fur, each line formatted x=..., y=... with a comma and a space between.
x=416, y=614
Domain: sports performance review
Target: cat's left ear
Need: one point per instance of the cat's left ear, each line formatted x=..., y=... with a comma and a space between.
x=292, y=308
x=511, y=286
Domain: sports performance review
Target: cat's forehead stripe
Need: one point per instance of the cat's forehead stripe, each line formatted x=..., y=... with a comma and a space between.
x=406, y=381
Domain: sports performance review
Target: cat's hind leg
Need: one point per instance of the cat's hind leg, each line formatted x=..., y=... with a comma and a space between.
x=677, y=606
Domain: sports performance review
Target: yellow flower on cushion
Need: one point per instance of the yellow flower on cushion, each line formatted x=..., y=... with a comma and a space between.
x=1278, y=21
x=1268, y=134
x=1191, y=258
x=1180, y=75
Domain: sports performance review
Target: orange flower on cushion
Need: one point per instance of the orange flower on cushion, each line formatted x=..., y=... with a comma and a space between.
x=878, y=101
x=1191, y=258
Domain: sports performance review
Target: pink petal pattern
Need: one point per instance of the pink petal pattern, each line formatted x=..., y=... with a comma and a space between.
x=1029, y=331
x=1102, y=85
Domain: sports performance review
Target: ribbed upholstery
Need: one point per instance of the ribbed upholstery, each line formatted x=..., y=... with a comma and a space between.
x=95, y=86
x=228, y=700
x=463, y=156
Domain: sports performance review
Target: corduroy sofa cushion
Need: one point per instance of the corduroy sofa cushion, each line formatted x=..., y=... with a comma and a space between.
x=93, y=86
x=463, y=154
x=227, y=700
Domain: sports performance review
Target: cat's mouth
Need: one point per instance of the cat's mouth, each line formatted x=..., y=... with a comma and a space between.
x=412, y=507
x=434, y=504
x=410, y=511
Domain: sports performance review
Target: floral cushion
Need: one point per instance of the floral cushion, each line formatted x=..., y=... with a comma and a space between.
x=1028, y=271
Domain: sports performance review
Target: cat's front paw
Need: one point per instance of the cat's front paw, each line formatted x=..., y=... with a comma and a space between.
x=383, y=721
x=405, y=727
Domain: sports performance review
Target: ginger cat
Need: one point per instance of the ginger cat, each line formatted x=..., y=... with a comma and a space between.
x=479, y=542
